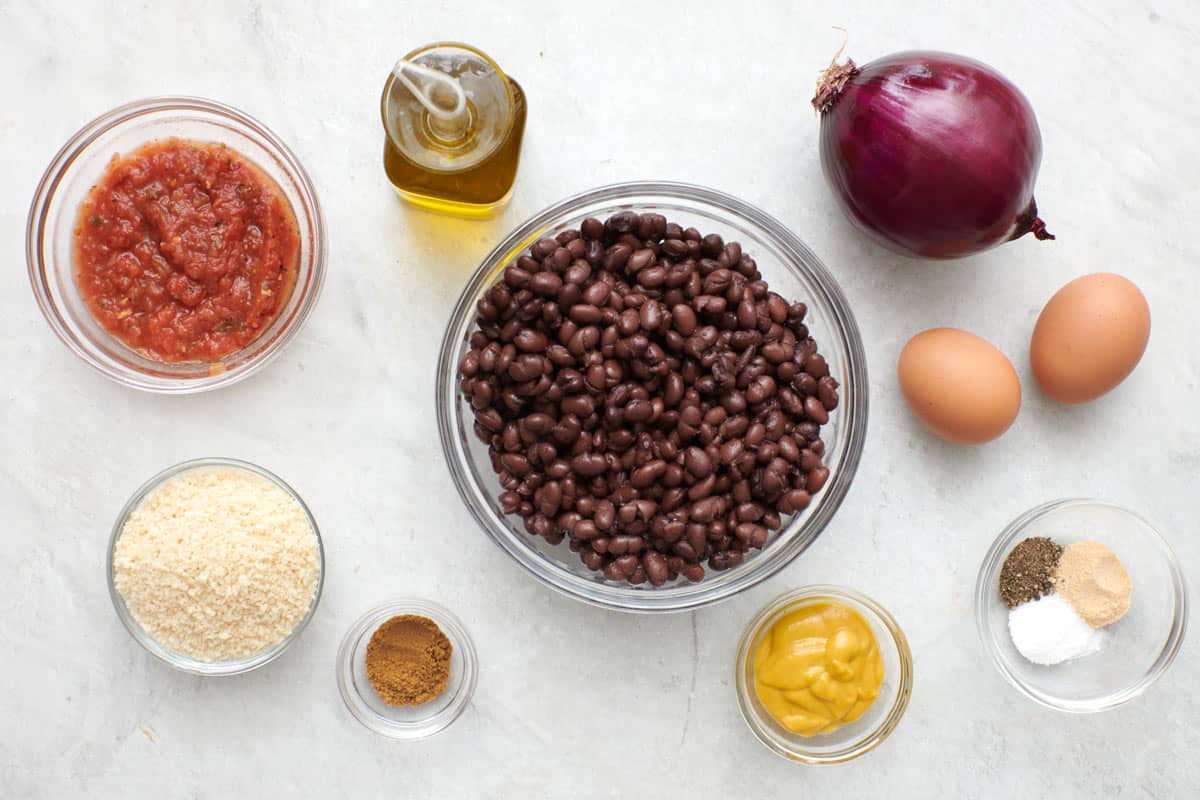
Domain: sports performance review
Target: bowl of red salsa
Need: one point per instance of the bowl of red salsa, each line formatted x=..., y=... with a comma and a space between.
x=176, y=245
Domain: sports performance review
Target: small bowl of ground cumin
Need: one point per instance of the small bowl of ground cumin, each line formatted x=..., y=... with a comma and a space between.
x=407, y=668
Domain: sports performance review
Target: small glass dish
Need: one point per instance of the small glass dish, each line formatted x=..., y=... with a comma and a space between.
x=406, y=722
x=49, y=237
x=178, y=660
x=791, y=269
x=849, y=741
x=1138, y=648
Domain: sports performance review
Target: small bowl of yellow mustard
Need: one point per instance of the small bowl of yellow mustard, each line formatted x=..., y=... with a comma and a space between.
x=823, y=674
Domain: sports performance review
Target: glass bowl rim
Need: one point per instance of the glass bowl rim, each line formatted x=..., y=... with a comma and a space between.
x=855, y=401
x=162, y=652
x=39, y=270
x=460, y=637
x=989, y=570
x=761, y=728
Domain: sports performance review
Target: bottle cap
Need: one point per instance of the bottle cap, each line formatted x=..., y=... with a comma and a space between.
x=447, y=107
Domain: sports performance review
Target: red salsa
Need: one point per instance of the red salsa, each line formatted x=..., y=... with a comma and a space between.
x=185, y=251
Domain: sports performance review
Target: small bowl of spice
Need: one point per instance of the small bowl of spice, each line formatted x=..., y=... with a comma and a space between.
x=215, y=566
x=407, y=668
x=823, y=674
x=1081, y=605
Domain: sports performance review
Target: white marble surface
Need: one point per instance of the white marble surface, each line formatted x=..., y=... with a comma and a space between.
x=572, y=701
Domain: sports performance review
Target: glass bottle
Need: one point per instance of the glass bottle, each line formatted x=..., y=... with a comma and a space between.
x=453, y=123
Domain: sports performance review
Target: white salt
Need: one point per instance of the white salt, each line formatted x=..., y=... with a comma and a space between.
x=1050, y=631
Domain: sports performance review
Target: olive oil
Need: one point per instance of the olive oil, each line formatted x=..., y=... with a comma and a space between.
x=453, y=155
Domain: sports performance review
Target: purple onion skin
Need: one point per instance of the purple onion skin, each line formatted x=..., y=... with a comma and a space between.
x=931, y=154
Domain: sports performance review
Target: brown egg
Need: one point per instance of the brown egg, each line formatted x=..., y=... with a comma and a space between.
x=959, y=385
x=1089, y=337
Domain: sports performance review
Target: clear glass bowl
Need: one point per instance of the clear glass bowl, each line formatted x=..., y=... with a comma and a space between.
x=178, y=660
x=791, y=269
x=406, y=722
x=1138, y=648
x=848, y=741
x=49, y=238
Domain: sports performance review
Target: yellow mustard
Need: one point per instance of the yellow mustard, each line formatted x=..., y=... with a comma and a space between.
x=818, y=668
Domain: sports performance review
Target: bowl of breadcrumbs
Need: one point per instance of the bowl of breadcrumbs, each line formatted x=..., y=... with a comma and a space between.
x=215, y=566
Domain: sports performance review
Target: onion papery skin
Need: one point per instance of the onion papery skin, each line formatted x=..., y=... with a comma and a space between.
x=931, y=154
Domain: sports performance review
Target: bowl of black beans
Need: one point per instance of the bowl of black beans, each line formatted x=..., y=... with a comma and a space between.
x=652, y=396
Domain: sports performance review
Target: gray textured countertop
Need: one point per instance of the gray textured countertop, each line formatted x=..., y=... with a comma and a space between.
x=573, y=701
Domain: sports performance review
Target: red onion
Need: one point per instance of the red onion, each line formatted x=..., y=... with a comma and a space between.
x=930, y=154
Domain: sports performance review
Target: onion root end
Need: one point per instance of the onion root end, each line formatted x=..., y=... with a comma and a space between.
x=1028, y=221
x=1039, y=230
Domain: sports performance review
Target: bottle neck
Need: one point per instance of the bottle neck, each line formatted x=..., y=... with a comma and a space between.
x=452, y=130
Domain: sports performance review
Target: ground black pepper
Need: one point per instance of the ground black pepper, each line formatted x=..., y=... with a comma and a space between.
x=1028, y=572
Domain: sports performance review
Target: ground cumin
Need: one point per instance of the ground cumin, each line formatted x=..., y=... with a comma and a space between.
x=408, y=660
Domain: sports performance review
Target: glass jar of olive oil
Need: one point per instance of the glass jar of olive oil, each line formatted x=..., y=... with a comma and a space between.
x=454, y=123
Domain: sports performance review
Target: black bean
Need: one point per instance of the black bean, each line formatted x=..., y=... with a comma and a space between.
x=510, y=502
x=616, y=257
x=596, y=376
x=651, y=315
x=638, y=410
x=777, y=308
x=655, y=565
x=684, y=318
x=647, y=474
x=641, y=259
x=795, y=500
x=816, y=366
x=791, y=403
x=628, y=323
x=805, y=384
x=546, y=283
x=673, y=391
x=596, y=294
x=697, y=462
x=827, y=392
x=622, y=222
x=542, y=248
x=815, y=411
x=748, y=512
x=531, y=341
x=816, y=479
x=468, y=366
x=628, y=564
x=613, y=572
x=605, y=515
x=725, y=559
x=705, y=510
x=778, y=352
x=591, y=228
x=515, y=463
x=652, y=277
x=675, y=248
x=581, y=405
x=516, y=277
x=579, y=271
x=585, y=314
x=761, y=389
